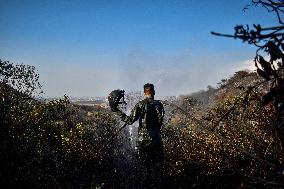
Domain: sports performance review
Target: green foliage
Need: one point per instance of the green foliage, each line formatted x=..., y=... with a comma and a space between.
x=43, y=143
x=232, y=139
x=231, y=136
x=209, y=137
x=22, y=78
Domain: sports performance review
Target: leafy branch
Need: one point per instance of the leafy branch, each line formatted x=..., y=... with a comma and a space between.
x=269, y=40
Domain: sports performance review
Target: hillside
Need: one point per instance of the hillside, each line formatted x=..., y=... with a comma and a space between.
x=210, y=137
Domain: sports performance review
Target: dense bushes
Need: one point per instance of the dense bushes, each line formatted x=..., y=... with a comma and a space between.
x=234, y=139
x=49, y=144
x=216, y=138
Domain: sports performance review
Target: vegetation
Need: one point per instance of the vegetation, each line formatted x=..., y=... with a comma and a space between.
x=231, y=144
x=229, y=136
x=48, y=144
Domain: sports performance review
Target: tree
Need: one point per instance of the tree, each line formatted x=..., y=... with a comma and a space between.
x=268, y=40
x=20, y=77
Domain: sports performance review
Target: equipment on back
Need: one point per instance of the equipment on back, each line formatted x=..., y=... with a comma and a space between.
x=115, y=98
x=154, y=114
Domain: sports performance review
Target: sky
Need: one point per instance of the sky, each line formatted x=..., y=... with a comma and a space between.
x=89, y=48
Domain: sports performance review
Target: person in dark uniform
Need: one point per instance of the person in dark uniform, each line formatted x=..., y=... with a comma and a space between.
x=150, y=113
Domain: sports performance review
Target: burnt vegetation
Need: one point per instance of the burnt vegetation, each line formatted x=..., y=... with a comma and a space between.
x=228, y=136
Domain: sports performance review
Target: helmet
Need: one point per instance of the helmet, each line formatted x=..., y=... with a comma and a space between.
x=114, y=99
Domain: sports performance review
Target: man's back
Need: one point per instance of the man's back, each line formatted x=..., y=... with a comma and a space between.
x=151, y=120
x=150, y=114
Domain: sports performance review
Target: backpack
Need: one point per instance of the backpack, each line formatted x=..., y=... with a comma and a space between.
x=154, y=114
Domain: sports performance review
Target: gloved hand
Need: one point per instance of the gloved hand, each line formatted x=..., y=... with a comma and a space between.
x=114, y=99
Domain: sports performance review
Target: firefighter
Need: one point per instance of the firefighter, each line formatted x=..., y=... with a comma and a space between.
x=150, y=113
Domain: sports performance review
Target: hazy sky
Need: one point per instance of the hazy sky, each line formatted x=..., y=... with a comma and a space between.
x=88, y=48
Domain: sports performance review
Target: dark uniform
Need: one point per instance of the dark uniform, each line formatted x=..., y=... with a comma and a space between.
x=150, y=114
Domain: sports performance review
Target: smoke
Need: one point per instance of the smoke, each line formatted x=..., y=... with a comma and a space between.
x=171, y=73
x=246, y=65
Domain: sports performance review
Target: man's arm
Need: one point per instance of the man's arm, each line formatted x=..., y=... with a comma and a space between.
x=134, y=116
